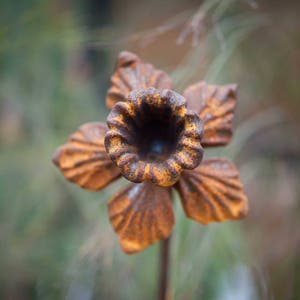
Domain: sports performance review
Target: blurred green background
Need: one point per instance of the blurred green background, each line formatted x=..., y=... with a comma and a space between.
x=56, y=58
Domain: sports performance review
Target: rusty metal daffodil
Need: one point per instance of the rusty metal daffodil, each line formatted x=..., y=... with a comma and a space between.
x=154, y=138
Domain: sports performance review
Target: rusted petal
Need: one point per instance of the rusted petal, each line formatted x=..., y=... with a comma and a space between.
x=132, y=73
x=83, y=159
x=213, y=192
x=141, y=214
x=215, y=105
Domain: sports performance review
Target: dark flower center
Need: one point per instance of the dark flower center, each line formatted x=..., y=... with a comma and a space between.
x=156, y=135
x=152, y=136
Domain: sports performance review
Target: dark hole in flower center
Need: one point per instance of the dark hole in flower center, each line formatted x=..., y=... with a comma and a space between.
x=157, y=130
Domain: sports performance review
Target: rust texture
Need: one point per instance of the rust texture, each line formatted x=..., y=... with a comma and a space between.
x=213, y=192
x=83, y=159
x=132, y=73
x=141, y=214
x=215, y=106
x=154, y=137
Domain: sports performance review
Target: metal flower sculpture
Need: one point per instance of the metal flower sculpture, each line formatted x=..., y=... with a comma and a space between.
x=154, y=138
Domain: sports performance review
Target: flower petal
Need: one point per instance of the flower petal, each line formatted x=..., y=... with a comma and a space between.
x=83, y=159
x=215, y=105
x=141, y=214
x=132, y=73
x=213, y=192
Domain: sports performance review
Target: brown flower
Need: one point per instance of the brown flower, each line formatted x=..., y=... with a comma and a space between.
x=153, y=139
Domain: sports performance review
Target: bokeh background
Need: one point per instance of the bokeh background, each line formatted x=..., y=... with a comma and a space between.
x=56, y=58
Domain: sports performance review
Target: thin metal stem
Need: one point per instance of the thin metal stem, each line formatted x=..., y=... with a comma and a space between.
x=164, y=265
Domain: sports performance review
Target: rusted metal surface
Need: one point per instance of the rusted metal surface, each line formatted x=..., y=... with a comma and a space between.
x=155, y=137
x=132, y=73
x=83, y=159
x=215, y=105
x=141, y=214
x=213, y=192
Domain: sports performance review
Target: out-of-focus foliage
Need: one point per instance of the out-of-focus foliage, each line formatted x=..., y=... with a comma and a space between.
x=55, y=60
